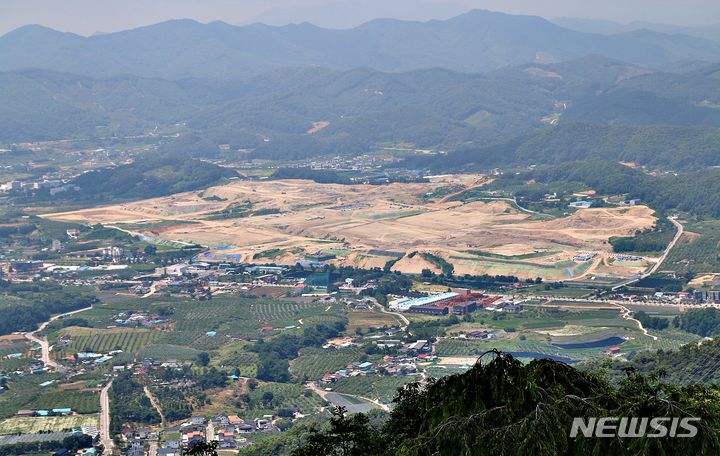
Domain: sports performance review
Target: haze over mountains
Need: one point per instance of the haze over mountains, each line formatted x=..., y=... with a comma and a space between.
x=473, y=42
x=471, y=83
x=709, y=32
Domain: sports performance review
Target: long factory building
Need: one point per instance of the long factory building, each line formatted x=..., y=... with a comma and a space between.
x=403, y=304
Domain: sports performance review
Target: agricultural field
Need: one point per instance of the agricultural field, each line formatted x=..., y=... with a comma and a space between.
x=366, y=320
x=236, y=356
x=22, y=391
x=363, y=221
x=227, y=315
x=232, y=318
x=571, y=332
x=285, y=395
x=104, y=340
x=314, y=362
x=280, y=313
x=83, y=402
x=697, y=250
x=265, y=399
x=164, y=352
x=34, y=425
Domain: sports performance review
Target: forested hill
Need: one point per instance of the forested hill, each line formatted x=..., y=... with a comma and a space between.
x=148, y=177
x=363, y=108
x=668, y=147
x=697, y=192
x=691, y=364
x=473, y=42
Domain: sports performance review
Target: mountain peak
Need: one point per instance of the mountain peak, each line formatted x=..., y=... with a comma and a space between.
x=36, y=31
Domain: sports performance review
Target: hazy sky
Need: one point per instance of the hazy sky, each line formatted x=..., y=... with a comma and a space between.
x=88, y=16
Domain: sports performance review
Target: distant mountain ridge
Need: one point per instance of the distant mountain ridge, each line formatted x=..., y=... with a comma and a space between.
x=434, y=108
x=477, y=41
x=708, y=32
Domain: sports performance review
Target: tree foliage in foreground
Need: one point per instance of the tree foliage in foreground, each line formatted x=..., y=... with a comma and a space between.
x=503, y=407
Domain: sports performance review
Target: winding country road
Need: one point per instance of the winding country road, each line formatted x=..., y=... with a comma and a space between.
x=627, y=314
x=44, y=345
x=104, y=396
x=397, y=315
x=656, y=266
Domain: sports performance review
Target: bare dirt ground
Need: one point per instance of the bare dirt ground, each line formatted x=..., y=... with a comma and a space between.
x=365, y=320
x=370, y=223
x=317, y=126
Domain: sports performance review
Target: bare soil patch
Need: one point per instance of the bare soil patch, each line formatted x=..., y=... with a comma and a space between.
x=364, y=221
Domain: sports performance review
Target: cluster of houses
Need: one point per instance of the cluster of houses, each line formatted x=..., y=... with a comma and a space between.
x=54, y=185
x=141, y=319
x=137, y=440
x=680, y=297
x=90, y=360
x=35, y=367
x=403, y=364
x=230, y=431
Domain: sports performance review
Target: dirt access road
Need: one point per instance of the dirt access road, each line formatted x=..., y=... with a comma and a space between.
x=155, y=404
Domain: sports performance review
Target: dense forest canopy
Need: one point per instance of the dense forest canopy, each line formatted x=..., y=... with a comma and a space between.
x=692, y=364
x=500, y=118
x=668, y=147
x=25, y=305
x=703, y=322
x=149, y=176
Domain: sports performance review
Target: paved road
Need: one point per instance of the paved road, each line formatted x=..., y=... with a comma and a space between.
x=152, y=449
x=398, y=315
x=105, y=436
x=44, y=345
x=210, y=432
x=656, y=266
